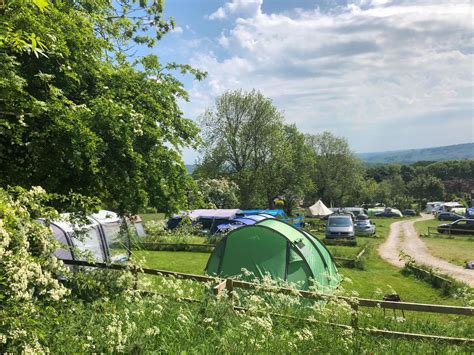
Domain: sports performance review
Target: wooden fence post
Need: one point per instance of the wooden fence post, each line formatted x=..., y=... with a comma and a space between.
x=219, y=288
x=354, y=314
x=135, y=279
x=229, y=285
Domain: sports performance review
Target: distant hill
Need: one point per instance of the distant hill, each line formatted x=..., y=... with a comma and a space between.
x=450, y=152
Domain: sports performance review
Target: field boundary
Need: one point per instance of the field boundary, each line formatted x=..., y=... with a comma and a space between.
x=374, y=331
x=361, y=302
x=448, y=232
x=225, y=287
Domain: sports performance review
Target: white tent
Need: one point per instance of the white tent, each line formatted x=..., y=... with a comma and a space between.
x=102, y=239
x=319, y=210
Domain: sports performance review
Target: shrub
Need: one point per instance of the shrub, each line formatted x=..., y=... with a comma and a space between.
x=28, y=272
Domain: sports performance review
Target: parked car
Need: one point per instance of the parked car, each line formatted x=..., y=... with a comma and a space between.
x=409, y=212
x=389, y=212
x=364, y=227
x=461, y=226
x=449, y=216
x=354, y=210
x=340, y=226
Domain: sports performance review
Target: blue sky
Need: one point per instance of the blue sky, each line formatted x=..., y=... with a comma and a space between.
x=385, y=74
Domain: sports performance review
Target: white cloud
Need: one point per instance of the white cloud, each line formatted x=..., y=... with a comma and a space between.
x=177, y=30
x=351, y=70
x=244, y=8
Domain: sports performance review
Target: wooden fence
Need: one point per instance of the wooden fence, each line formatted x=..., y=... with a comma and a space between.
x=361, y=302
x=449, y=232
x=227, y=286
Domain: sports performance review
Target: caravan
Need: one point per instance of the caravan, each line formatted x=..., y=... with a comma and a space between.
x=449, y=207
x=431, y=206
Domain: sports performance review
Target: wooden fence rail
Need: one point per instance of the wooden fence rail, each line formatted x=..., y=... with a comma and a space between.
x=233, y=284
x=450, y=232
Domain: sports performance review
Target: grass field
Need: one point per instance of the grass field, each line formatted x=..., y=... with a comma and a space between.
x=377, y=279
x=455, y=249
x=152, y=216
x=422, y=226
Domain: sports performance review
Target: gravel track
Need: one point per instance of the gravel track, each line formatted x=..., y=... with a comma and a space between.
x=412, y=245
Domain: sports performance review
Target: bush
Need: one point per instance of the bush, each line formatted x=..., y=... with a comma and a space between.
x=34, y=284
x=28, y=273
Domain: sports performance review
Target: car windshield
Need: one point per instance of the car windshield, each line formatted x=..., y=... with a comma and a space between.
x=340, y=222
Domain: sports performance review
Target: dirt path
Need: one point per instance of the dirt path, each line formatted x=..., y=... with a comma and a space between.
x=413, y=246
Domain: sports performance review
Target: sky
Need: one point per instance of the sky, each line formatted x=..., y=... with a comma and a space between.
x=387, y=75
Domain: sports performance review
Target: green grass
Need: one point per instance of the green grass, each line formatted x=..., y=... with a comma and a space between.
x=378, y=279
x=422, y=226
x=152, y=216
x=455, y=249
x=179, y=261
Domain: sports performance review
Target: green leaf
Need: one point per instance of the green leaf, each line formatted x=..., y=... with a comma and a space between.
x=41, y=4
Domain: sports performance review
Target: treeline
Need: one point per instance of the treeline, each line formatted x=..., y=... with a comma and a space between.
x=428, y=181
x=271, y=163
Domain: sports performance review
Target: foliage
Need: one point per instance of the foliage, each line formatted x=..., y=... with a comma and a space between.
x=248, y=143
x=241, y=133
x=79, y=116
x=455, y=177
x=448, y=285
x=426, y=188
x=28, y=273
x=289, y=173
x=33, y=282
x=337, y=168
x=219, y=193
x=184, y=233
x=165, y=325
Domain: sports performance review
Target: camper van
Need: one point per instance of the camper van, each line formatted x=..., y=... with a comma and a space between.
x=449, y=207
x=430, y=206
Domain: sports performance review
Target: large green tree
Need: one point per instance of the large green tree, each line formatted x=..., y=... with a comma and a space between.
x=76, y=113
x=337, y=169
x=426, y=188
x=241, y=134
x=288, y=173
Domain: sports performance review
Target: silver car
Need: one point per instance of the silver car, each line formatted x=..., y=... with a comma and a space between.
x=364, y=227
x=340, y=226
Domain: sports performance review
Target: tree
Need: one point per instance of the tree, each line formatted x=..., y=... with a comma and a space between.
x=426, y=188
x=289, y=173
x=77, y=115
x=240, y=134
x=219, y=193
x=337, y=168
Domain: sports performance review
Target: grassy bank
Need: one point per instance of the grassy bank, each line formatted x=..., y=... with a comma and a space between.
x=377, y=279
x=456, y=249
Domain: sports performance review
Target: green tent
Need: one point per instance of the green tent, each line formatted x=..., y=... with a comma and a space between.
x=273, y=247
